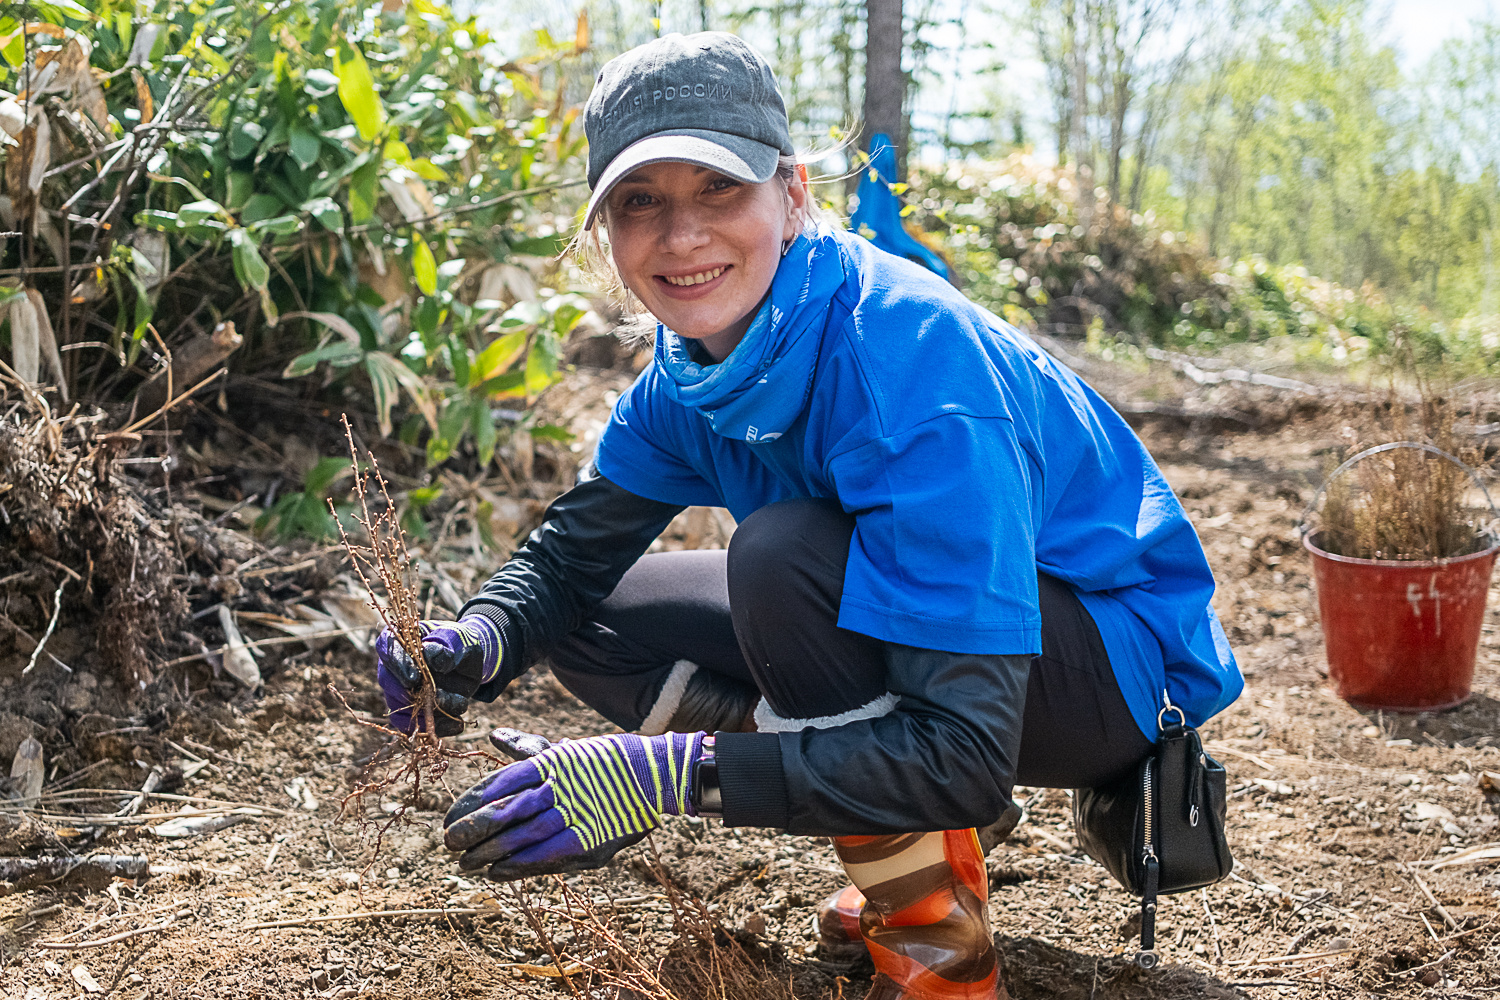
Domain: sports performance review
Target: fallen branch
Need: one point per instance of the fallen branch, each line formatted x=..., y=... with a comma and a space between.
x=465, y=911
x=1188, y=366
x=22, y=874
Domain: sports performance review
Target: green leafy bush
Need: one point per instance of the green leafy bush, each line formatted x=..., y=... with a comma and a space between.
x=353, y=186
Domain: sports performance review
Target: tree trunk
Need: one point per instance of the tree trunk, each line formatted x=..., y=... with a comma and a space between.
x=885, y=84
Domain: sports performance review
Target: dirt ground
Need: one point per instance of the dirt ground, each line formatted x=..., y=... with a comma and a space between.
x=1336, y=818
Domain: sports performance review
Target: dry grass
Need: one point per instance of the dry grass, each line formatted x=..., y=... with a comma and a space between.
x=594, y=955
x=1407, y=503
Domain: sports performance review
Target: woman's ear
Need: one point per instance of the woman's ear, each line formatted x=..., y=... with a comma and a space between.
x=797, y=194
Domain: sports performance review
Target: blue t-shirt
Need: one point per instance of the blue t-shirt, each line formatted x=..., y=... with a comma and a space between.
x=969, y=458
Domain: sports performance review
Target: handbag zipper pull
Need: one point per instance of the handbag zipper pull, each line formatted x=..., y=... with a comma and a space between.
x=1195, y=788
x=1146, y=957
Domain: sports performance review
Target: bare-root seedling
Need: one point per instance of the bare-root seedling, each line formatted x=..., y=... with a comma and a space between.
x=1407, y=503
x=409, y=762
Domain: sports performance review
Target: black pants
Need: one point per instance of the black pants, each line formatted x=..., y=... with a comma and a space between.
x=764, y=614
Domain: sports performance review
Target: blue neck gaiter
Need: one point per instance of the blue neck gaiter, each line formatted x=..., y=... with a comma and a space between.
x=756, y=393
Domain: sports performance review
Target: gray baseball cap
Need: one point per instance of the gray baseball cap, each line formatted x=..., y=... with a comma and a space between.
x=706, y=98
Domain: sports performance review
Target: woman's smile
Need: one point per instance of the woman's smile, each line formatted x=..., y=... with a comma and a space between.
x=694, y=284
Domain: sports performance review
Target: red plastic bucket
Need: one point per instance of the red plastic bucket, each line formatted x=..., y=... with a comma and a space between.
x=1401, y=635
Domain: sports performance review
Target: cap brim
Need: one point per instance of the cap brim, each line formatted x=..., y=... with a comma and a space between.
x=732, y=155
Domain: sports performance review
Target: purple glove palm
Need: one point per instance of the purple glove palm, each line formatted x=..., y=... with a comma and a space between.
x=572, y=805
x=462, y=655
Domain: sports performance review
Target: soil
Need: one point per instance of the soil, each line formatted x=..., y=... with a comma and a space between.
x=1332, y=814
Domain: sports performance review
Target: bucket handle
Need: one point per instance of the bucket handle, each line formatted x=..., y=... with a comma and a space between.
x=1302, y=527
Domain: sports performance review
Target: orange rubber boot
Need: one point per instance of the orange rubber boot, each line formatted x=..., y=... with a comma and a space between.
x=839, y=939
x=925, y=920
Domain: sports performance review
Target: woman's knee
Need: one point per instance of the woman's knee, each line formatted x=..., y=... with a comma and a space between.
x=800, y=538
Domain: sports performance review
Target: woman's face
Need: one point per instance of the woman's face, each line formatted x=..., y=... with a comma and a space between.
x=698, y=248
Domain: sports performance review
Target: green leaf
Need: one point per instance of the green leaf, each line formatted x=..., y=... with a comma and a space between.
x=144, y=308
x=541, y=369
x=282, y=225
x=338, y=354
x=364, y=190
x=238, y=189
x=552, y=432
x=304, y=144
x=243, y=139
x=449, y=432
x=427, y=170
x=541, y=246
x=260, y=207
x=566, y=311
x=14, y=51
x=423, y=495
x=357, y=91
x=409, y=380
x=164, y=221
x=385, y=391
x=320, y=82
x=327, y=212
x=426, y=317
x=482, y=425
x=324, y=475
x=249, y=266
x=334, y=322
x=497, y=358
x=197, y=211
x=423, y=265
x=397, y=150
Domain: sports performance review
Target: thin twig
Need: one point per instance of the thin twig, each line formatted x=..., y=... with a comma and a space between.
x=1214, y=927
x=1442, y=911
x=278, y=640
x=51, y=626
x=171, y=403
x=100, y=942
x=475, y=207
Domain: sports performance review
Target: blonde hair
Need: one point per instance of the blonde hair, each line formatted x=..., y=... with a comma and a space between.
x=637, y=326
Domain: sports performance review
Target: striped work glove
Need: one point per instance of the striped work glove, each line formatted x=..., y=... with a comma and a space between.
x=572, y=805
x=462, y=655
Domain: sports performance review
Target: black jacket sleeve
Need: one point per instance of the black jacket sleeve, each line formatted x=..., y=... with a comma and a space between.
x=945, y=759
x=588, y=538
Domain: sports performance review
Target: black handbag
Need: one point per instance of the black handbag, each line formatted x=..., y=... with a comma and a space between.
x=1160, y=829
